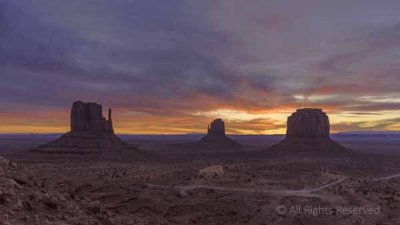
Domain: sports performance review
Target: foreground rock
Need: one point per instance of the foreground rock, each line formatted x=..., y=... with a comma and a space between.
x=216, y=136
x=26, y=198
x=90, y=133
x=308, y=130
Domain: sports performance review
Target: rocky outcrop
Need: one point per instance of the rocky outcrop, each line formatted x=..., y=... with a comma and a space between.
x=26, y=198
x=212, y=171
x=308, y=130
x=90, y=132
x=216, y=136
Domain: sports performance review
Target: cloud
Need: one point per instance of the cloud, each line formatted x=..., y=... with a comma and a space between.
x=176, y=58
x=378, y=125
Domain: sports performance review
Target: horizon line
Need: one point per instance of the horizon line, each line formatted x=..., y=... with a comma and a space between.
x=238, y=134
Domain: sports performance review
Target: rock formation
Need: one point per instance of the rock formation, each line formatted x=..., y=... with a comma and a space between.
x=89, y=117
x=90, y=133
x=308, y=130
x=217, y=127
x=308, y=123
x=216, y=136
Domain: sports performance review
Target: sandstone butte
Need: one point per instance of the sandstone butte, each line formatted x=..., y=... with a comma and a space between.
x=308, y=130
x=216, y=136
x=90, y=132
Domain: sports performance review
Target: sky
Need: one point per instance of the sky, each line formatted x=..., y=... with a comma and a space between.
x=172, y=66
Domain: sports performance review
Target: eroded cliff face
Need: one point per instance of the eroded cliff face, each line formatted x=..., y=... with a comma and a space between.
x=308, y=123
x=89, y=117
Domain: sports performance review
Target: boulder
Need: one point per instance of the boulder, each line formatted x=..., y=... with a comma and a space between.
x=214, y=170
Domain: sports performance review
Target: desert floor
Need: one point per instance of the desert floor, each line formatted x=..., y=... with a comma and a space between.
x=184, y=185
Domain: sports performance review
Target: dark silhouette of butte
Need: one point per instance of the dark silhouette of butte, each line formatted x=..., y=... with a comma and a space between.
x=90, y=132
x=216, y=136
x=308, y=130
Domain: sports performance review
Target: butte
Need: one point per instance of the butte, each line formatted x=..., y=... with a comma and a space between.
x=216, y=136
x=90, y=133
x=308, y=130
